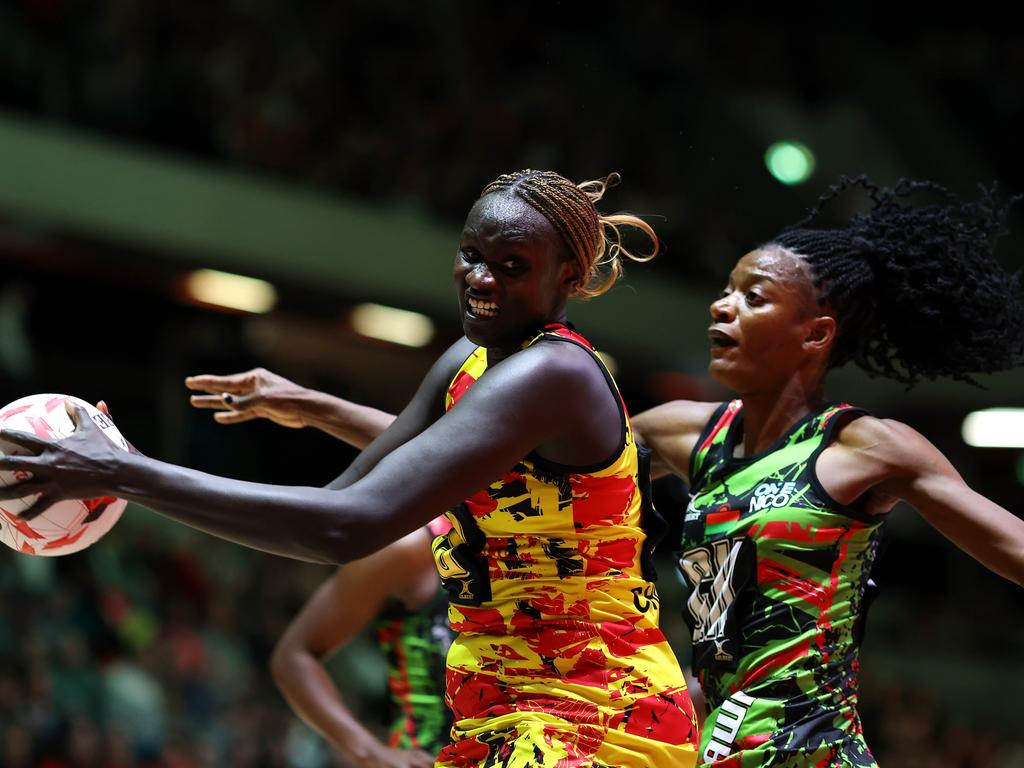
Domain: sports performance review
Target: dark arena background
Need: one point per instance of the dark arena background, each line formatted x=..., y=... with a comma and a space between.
x=331, y=149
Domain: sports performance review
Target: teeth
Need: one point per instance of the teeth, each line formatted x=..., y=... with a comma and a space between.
x=482, y=308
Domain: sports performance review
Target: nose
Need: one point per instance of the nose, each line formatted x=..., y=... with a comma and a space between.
x=722, y=309
x=480, y=278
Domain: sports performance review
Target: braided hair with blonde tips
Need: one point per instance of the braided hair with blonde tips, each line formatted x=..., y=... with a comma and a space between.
x=916, y=289
x=593, y=241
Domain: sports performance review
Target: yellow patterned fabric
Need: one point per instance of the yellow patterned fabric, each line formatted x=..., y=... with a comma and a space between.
x=559, y=660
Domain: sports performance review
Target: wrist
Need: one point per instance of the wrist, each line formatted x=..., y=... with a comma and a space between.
x=313, y=410
x=359, y=746
x=303, y=404
x=295, y=404
x=123, y=474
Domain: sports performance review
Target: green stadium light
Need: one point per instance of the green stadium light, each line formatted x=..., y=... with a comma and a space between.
x=790, y=162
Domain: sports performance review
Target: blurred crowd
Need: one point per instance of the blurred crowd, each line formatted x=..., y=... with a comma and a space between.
x=398, y=102
x=149, y=650
x=136, y=654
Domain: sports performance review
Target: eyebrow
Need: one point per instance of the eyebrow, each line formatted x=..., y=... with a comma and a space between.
x=757, y=275
x=522, y=236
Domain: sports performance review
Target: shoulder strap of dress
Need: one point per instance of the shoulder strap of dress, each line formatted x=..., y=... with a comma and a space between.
x=713, y=434
x=471, y=369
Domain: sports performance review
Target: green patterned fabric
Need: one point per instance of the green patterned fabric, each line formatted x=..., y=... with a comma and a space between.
x=778, y=574
x=415, y=646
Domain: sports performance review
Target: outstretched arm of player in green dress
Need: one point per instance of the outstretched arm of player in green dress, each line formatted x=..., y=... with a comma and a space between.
x=260, y=393
x=886, y=461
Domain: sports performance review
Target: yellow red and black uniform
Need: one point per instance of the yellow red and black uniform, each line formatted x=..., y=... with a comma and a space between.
x=559, y=660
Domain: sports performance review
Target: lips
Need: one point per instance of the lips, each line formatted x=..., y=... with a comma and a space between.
x=481, y=308
x=720, y=338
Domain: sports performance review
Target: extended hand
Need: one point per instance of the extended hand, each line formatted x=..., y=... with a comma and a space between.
x=81, y=466
x=251, y=395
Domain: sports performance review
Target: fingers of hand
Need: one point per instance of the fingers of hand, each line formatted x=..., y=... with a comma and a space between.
x=245, y=402
x=208, y=401
x=235, y=384
x=102, y=407
x=32, y=442
x=19, y=464
x=79, y=416
x=41, y=504
x=233, y=417
x=21, y=490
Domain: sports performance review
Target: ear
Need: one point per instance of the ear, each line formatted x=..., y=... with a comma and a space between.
x=570, y=278
x=821, y=332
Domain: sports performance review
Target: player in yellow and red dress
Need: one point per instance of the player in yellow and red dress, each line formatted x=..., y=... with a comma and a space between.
x=559, y=664
x=559, y=660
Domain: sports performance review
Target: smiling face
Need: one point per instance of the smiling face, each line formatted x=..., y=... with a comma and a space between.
x=767, y=324
x=512, y=274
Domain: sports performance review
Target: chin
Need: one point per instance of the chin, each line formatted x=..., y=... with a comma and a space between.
x=483, y=336
x=723, y=373
x=480, y=339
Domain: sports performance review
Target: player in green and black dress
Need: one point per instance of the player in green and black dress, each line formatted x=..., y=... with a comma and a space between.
x=788, y=490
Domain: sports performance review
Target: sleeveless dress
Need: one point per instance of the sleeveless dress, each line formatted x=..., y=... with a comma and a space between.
x=559, y=660
x=778, y=574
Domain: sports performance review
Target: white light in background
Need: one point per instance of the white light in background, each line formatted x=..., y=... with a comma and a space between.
x=994, y=428
x=228, y=291
x=398, y=326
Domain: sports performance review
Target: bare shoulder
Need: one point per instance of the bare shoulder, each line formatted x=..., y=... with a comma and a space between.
x=870, y=430
x=555, y=363
x=887, y=442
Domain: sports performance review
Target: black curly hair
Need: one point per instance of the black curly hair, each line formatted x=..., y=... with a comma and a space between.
x=916, y=289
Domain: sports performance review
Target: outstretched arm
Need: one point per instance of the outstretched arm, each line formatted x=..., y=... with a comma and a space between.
x=337, y=611
x=260, y=393
x=525, y=401
x=891, y=461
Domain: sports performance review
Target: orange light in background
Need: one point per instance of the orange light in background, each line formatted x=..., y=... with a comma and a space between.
x=223, y=290
x=399, y=326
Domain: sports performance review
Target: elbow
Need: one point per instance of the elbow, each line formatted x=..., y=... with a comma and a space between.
x=339, y=544
x=328, y=542
x=282, y=665
x=345, y=540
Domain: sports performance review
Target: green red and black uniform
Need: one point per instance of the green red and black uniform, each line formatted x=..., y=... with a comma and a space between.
x=778, y=572
x=415, y=644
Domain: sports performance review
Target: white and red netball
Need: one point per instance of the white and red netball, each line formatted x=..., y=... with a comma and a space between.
x=67, y=526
